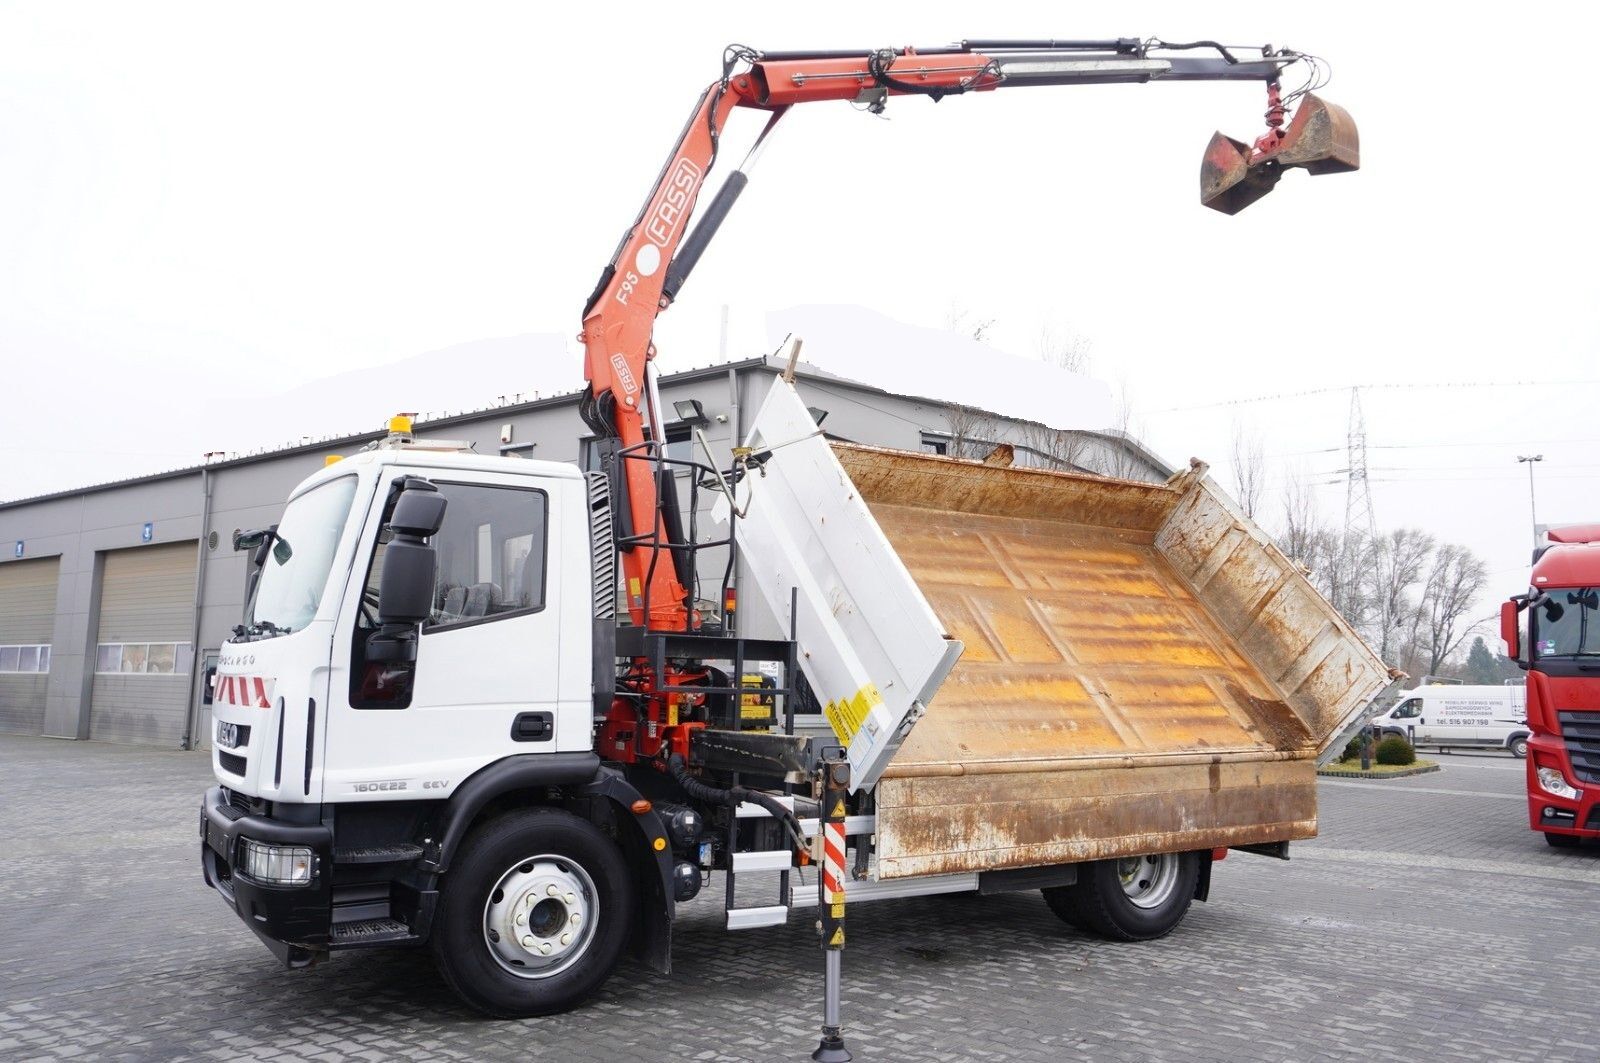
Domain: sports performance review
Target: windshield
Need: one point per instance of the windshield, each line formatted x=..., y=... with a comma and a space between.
x=1568, y=623
x=297, y=564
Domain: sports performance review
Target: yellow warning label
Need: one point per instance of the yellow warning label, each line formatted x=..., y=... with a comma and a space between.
x=847, y=715
x=838, y=810
x=633, y=589
x=838, y=909
x=837, y=941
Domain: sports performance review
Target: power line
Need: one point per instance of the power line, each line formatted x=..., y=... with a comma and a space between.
x=1456, y=384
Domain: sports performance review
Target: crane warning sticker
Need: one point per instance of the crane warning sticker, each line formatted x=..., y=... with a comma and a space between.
x=847, y=715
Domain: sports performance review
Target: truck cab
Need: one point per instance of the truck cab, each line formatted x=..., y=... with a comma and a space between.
x=324, y=743
x=1562, y=658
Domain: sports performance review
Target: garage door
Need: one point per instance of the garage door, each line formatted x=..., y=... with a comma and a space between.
x=27, y=619
x=143, y=658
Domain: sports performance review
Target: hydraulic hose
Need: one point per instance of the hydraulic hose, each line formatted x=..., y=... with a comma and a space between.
x=733, y=796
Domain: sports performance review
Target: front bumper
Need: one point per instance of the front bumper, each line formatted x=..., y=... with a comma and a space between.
x=295, y=922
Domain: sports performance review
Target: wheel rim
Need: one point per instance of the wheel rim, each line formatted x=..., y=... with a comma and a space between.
x=540, y=917
x=1148, y=881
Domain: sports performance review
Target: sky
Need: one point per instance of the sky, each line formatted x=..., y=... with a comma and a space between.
x=206, y=210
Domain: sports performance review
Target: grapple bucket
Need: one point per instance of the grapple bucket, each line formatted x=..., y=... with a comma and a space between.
x=1321, y=138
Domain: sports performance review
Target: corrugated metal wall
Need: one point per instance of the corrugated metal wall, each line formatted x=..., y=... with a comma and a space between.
x=27, y=617
x=146, y=597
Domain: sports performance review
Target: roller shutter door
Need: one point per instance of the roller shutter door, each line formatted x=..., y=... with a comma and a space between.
x=27, y=621
x=143, y=658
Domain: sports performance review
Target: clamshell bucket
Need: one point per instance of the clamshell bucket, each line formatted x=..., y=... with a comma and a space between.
x=1321, y=138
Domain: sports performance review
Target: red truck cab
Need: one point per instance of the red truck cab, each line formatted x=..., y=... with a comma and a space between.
x=1562, y=658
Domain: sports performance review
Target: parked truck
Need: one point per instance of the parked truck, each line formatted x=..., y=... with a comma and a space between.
x=1561, y=655
x=509, y=709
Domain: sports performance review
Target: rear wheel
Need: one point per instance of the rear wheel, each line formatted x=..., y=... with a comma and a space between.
x=1518, y=746
x=1562, y=841
x=534, y=914
x=1133, y=899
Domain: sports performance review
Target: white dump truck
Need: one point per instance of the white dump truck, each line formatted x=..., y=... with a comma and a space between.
x=474, y=702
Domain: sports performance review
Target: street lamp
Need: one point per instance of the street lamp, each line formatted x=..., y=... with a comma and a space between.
x=1533, y=511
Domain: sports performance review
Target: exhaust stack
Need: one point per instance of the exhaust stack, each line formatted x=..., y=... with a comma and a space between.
x=1321, y=138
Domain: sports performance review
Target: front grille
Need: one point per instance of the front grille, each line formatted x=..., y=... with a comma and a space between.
x=1581, y=733
x=231, y=763
x=233, y=735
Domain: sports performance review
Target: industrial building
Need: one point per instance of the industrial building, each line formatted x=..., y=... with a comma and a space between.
x=115, y=598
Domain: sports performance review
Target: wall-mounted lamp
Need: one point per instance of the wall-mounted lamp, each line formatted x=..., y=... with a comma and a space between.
x=817, y=414
x=691, y=413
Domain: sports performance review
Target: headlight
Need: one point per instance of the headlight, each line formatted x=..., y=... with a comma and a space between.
x=275, y=865
x=1553, y=782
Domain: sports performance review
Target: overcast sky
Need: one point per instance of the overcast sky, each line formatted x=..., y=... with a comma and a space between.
x=202, y=207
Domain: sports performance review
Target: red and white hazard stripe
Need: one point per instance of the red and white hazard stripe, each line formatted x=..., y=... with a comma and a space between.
x=251, y=691
x=833, y=862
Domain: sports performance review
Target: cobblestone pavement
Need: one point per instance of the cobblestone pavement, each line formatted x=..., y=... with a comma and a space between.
x=1427, y=923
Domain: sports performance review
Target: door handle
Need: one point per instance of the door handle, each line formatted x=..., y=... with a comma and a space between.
x=533, y=727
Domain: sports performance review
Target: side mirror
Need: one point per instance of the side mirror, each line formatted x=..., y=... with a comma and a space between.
x=410, y=569
x=1508, y=630
x=259, y=543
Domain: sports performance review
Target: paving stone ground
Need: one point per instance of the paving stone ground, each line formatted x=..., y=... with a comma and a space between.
x=1426, y=923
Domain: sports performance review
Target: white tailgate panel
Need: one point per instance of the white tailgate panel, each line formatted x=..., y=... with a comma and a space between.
x=869, y=643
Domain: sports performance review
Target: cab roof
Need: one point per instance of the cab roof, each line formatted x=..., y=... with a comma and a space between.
x=1569, y=562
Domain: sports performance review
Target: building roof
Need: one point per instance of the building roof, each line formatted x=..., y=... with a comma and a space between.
x=770, y=363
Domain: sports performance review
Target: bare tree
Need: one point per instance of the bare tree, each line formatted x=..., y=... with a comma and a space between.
x=1249, y=468
x=1064, y=349
x=1395, y=566
x=1300, y=519
x=973, y=432
x=1454, y=582
x=963, y=322
x=1054, y=448
x=1121, y=461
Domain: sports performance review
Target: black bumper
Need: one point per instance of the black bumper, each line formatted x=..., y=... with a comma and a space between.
x=295, y=922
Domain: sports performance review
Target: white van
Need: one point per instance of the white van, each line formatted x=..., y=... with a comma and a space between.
x=1449, y=716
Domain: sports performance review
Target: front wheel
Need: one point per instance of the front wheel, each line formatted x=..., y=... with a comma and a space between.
x=1518, y=746
x=1137, y=898
x=534, y=914
x=1562, y=841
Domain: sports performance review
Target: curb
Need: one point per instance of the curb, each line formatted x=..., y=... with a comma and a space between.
x=1357, y=773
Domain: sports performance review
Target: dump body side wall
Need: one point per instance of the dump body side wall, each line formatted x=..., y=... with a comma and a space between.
x=1143, y=671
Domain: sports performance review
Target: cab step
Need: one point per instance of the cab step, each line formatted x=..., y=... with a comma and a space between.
x=370, y=933
x=378, y=854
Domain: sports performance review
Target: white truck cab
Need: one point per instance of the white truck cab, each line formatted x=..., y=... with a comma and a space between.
x=303, y=716
x=1450, y=716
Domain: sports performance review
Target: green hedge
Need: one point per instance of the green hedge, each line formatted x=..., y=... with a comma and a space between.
x=1396, y=750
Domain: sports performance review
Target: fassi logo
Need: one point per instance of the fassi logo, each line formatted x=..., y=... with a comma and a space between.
x=674, y=203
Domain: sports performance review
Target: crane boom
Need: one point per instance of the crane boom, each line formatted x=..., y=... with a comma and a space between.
x=657, y=252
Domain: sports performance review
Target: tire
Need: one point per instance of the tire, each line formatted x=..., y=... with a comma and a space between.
x=559, y=879
x=1135, y=899
x=1518, y=746
x=1562, y=841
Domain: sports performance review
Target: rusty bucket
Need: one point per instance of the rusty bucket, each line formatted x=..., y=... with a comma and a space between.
x=1321, y=138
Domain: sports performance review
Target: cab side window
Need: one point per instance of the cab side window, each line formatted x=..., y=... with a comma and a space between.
x=1410, y=710
x=491, y=553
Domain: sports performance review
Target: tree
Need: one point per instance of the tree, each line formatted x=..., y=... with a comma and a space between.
x=1454, y=582
x=1249, y=469
x=973, y=432
x=1397, y=561
x=963, y=322
x=1064, y=348
x=1485, y=667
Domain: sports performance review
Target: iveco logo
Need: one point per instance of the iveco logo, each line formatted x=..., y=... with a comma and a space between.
x=227, y=734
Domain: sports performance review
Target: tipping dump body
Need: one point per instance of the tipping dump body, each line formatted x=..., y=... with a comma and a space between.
x=1143, y=671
